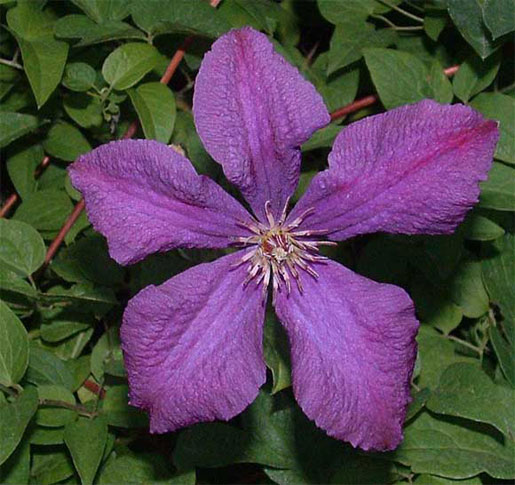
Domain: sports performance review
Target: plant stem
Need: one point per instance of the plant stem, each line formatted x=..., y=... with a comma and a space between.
x=12, y=63
x=396, y=27
x=82, y=410
x=466, y=344
x=403, y=12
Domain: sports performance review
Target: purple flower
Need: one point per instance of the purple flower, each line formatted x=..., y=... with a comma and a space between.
x=193, y=346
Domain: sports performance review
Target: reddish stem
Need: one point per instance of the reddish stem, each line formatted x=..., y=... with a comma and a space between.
x=13, y=198
x=354, y=106
x=54, y=246
x=451, y=71
x=373, y=98
x=95, y=388
x=176, y=60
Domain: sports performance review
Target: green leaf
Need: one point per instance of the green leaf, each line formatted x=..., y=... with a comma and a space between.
x=101, y=10
x=436, y=354
x=349, y=40
x=467, y=15
x=14, y=347
x=480, y=228
x=180, y=16
x=338, y=12
x=71, y=347
x=467, y=392
x=13, y=283
x=86, y=440
x=417, y=404
x=434, y=23
x=66, y=142
x=45, y=368
x=46, y=436
x=65, y=324
x=79, y=76
x=447, y=448
x=498, y=269
x=43, y=56
x=339, y=90
x=45, y=210
x=80, y=369
x=355, y=470
x=118, y=412
x=498, y=192
x=402, y=78
x=85, y=110
x=474, y=75
x=21, y=168
x=277, y=353
x=260, y=14
x=467, y=290
x=186, y=136
x=81, y=27
x=96, y=298
x=88, y=260
x=15, y=125
x=14, y=418
x=127, y=64
x=55, y=416
x=49, y=466
x=22, y=249
x=322, y=138
x=107, y=356
x=16, y=469
x=155, y=104
x=435, y=307
x=439, y=83
x=500, y=107
x=273, y=434
x=498, y=17
x=141, y=468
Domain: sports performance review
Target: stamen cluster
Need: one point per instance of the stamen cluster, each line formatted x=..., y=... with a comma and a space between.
x=279, y=251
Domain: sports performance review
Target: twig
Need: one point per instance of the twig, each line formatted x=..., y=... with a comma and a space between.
x=403, y=12
x=54, y=246
x=11, y=63
x=354, y=106
x=82, y=410
x=396, y=27
x=94, y=388
x=373, y=98
x=466, y=344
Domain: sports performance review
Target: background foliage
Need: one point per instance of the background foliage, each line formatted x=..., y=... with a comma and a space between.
x=74, y=74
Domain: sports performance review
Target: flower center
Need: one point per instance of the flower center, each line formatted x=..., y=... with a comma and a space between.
x=280, y=253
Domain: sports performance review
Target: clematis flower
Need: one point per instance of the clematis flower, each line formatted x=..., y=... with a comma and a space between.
x=193, y=345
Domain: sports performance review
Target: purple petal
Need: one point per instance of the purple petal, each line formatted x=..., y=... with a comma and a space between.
x=145, y=197
x=353, y=351
x=253, y=110
x=193, y=346
x=412, y=170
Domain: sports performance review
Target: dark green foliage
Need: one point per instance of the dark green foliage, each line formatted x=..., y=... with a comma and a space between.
x=74, y=74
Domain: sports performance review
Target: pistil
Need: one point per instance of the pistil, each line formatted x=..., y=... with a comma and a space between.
x=278, y=252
